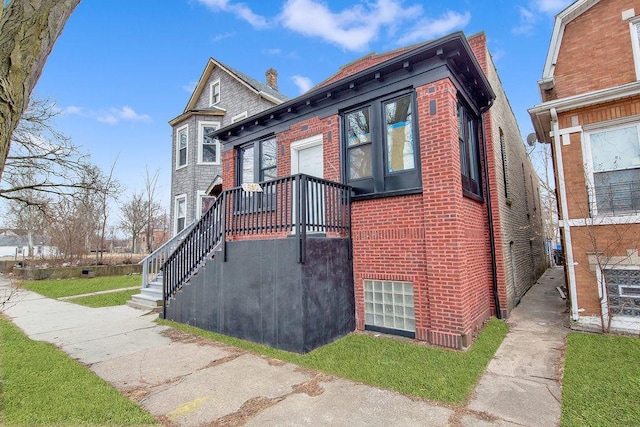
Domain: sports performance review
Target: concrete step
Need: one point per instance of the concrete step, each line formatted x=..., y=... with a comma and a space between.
x=145, y=302
x=155, y=285
x=152, y=293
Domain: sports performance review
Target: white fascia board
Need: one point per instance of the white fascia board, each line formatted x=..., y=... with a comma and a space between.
x=270, y=98
x=588, y=99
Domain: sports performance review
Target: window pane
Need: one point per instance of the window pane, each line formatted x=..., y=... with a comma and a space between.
x=247, y=165
x=615, y=149
x=399, y=135
x=358, y=130
x=182, y=139
x=360, y=162
x=269, y=174
x=181, y=208
x=209, y=145
x=617, y=192
x=183, y=157
x=269, y=154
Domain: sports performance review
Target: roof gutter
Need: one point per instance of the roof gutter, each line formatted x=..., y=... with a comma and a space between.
x=492, y=237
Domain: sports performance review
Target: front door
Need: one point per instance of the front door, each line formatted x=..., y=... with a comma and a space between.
x=307, y=158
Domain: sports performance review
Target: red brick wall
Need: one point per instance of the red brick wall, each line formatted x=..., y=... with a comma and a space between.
x=362, y=64
x=596, y=50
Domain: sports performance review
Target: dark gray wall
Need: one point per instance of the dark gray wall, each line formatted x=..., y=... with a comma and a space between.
x=263, y=294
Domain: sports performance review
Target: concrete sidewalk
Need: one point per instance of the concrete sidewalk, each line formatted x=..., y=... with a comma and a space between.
x=188, y=381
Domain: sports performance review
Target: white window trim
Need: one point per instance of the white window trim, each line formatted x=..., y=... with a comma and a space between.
x=588, y=164
x=186, y=162
x=217, y=82
x=182, y=196
x=624, y=321
x=635, y=44
x=199, y=195
x=201, y=126
x=239, y=117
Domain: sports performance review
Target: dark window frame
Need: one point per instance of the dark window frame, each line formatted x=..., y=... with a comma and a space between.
x=266, y=201
x=469, y=142
x=382, y=182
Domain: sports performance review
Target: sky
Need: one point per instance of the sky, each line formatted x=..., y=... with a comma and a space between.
x=123, y=68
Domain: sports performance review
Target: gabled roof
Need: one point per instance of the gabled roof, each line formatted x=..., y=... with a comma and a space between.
x=252, y=84
x=562, y=19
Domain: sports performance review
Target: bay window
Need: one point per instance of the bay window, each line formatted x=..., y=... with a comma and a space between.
x=380, y=149
x=182, y=144
x=209, y=148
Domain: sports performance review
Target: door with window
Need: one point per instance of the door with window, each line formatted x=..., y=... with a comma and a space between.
x=307, y=158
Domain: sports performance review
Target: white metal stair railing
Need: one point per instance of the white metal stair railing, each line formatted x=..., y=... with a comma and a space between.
x=152, y=264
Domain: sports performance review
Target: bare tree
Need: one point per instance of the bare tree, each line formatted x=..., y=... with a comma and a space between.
x=153, y=207
x=134, y=217
x=50, y=161
x=109, y=188
x=28, y=32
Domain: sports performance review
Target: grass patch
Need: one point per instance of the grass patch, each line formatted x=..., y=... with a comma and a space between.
x=406, y=367
x=601, y=381
x=43, y=386
x=69, y=287
x=105, y=300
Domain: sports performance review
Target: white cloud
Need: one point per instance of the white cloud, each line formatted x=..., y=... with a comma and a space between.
x=303, y=83
x=551, y=6
x=352, y=28
x=527, y=22
x=223, y=36
x=273, y=51
x=72, y=109
x=239, y=9
x=111, y=116
x=428, y=28
x=190, y=87
x=116, y=115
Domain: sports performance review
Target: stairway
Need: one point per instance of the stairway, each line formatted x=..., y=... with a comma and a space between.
x=150, y=296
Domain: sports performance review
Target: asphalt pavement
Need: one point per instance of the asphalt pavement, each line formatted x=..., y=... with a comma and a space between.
x=185, y=380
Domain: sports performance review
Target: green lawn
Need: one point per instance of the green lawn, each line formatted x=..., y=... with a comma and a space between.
x=105, y=300
x=601, y=385
x=43, y=386
x=69, y=287
x=403, y=366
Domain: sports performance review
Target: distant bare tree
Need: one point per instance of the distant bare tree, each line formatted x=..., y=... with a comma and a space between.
x=28, y=31
x=153, y=207
x=133, y=215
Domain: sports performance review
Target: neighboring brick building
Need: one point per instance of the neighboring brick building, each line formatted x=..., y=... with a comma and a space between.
x=222, y=96
x=590, y=113
x=437, y=243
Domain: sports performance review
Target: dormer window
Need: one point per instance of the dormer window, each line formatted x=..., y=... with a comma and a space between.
x=214, y=94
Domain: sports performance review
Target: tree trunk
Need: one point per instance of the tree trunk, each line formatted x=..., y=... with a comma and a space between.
x=28, y=31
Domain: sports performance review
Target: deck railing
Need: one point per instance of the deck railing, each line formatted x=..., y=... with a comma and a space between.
x=152, y=263
x=295, y=205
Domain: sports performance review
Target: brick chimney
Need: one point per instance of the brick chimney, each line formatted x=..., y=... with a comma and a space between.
x=272, y=78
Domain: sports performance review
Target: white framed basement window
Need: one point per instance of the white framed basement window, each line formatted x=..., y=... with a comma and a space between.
x=180, y=210
x=182, y=146
x=623, y=290
x=214, y=93
x=612, y=166
x=208, y=147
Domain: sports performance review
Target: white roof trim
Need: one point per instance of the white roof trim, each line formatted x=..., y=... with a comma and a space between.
x=590, y=98
x=268, y=97
x=562, y=19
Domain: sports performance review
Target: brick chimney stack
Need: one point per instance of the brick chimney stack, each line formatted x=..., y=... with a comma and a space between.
x=272, y=78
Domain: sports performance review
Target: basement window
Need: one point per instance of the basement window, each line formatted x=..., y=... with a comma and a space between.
x=389, y=307
x=623, y=291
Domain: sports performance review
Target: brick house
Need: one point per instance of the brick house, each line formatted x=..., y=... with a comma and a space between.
x=590, y=109
x=396, y=196
x=221, y=97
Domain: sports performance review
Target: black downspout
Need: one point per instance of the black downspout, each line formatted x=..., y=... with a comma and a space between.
x=492, y=239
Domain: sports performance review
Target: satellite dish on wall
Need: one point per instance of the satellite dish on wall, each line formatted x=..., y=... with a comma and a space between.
x=532, y=139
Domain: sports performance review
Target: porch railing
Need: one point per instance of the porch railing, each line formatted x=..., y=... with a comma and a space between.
x=152, y=263
x=295, y=205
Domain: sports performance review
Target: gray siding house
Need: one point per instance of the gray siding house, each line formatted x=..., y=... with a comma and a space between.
x=222, y=96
